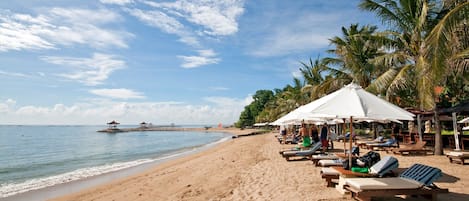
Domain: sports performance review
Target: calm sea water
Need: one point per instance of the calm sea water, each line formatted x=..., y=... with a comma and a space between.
x=33, y=157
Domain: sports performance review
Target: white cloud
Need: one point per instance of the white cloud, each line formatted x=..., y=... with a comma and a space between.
x=12, y=74
x=205, y=57
x=118, y=93
x=217, y=110
x=217, y=17
x=187, y=19
x=290, y=42
x=117, y=2
x=19, y=32
x=165, y=23
x=219, y=88
x=60, y=26
x=7, y=105
x=89, y=71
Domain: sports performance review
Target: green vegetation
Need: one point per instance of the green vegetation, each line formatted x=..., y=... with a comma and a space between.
x=425, y=47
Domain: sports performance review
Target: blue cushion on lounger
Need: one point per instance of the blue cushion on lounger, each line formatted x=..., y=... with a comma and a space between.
x=308, y=152
x=422, y=174
x=385, y=165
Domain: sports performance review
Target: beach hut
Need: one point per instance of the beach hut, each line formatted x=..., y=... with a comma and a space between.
x=113, y=124
x=462, y=108
x=143, y=125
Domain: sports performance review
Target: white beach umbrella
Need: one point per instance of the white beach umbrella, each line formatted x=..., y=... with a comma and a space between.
x=355, y=103
x=296, y=117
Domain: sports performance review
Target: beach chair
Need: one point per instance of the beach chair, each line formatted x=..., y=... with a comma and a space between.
x=345, y=137
x=457, y=157
x=302, y=153
x=416, y=180
x=383, y=167
x=417, y=148
x=362, y=144
x=390, y=143
x=330, y=162
x=317, y=158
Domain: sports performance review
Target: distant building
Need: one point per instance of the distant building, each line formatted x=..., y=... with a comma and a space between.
x=113, y=124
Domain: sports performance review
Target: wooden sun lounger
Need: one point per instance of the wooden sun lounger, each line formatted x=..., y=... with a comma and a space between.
x=382, y=146
x=302, y=153
x=385, y=168
x=417, y=180
x=330, y=174
x=457, y=157
x=317, y=158
x=417, y=148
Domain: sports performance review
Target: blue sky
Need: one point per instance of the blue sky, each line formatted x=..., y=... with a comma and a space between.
x=183, y=62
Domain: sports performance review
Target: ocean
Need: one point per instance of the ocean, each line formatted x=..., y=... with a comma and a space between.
x=35, y=157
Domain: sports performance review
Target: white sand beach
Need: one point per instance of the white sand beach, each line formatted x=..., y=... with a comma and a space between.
x=250, y=168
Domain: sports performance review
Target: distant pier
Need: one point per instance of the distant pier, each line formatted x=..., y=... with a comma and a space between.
x=140, y=129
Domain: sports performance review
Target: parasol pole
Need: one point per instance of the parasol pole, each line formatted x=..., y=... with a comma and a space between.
x=455, y=130
x=350, y=144
x=343, y=133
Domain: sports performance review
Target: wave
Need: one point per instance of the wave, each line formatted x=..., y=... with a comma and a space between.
x=7, y=190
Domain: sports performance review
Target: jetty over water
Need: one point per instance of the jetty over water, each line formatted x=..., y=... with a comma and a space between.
x=156, y=128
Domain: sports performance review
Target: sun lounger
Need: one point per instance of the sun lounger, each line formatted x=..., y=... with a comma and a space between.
x=345, y=137
x=383, y=167
x=417, y=148
x=390, y=143
x=457, y=157
x=329, y=174
x=302, y=153
x=330, y=162
x=317, y=158
x=417, y=180
x=362, y=144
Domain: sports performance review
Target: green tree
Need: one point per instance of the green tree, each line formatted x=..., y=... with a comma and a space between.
x=246, y=118
x=312, y=74
x=421, y=44
x=353, y=52
x=251, y=111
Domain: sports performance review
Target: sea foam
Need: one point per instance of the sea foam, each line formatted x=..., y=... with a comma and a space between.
x=10, y=189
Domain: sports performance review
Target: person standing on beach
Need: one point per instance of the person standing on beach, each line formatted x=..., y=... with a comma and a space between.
x=305, y=135
x=283, y=133
x=324, y=141
x=314, y=133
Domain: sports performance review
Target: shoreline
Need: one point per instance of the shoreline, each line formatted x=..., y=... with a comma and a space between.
x=65, y=188
x=249, y=168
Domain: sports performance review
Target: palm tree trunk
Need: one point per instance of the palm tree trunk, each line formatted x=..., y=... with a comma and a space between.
x=438, y=137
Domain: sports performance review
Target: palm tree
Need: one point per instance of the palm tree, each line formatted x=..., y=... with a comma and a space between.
x=312, y=74
x=419, y=48
x=407, y=20
x=354, y=50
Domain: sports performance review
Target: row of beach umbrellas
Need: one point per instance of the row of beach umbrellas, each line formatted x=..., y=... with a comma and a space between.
x=351, y=102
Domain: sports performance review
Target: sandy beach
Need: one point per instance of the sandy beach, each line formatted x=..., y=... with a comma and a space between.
x=250, y=168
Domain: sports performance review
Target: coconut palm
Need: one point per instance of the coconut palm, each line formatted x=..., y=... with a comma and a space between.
x=353, y=52
x=420, y=48
x=312, y=74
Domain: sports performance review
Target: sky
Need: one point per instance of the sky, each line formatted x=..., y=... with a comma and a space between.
x=84, y=62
